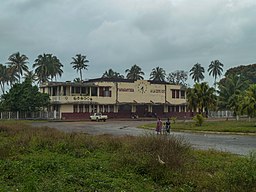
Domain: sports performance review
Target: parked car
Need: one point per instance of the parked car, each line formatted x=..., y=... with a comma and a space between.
x=98, y=117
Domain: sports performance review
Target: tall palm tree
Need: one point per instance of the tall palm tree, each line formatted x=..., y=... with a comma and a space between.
x=135, y=73
x=215, y=69
x=54, y=66
x=197, y=72
x=112, y=74
x=19, y=63
x=158, y=74
x=13, y=76
x=47, y=67
x=4, y=77
x=79, y=63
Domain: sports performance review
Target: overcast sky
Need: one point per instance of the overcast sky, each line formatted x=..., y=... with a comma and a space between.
x=172, y=34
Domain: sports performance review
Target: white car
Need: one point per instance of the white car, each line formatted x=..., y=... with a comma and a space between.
x=98, y=117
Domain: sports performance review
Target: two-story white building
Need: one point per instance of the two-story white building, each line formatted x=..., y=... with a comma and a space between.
x=116, y=98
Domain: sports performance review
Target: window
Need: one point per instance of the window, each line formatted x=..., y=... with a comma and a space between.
x=64, y=90
x=54, y=91
x=177, y=108
x=182, y=94
x=104, y=92
x=94, y=91
x=85, y=91
x=177, y=94
x=173, y=93
x=77, y=90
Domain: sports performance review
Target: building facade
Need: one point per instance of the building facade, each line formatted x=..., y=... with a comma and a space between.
x=118, y=98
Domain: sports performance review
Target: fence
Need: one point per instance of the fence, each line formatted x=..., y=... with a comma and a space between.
x=30, y=115
x=221, y=114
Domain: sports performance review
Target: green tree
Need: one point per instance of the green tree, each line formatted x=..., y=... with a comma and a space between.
x=135, y=73
x=28, y=97
x=215, y=69
x=178, y=77
x=230, y=93
x=197, y=73
x=158, y=74
x=18, y=63
x=112, y=75
x=248, y=101
x=47, y=67
x=201, y=97
x=31, y=76
x=248, y=72
x=4, y=77
x=79, y=63
x=55, y=67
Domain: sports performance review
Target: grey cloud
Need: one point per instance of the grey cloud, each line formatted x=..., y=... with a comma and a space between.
x=117, y=34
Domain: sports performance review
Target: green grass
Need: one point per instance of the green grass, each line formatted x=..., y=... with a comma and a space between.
x=215, y=126
x=45, y=159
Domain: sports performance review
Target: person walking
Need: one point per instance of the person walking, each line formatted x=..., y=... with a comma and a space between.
x=168, y=126
x=159, y=125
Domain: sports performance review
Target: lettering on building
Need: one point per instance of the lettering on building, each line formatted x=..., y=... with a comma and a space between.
x=126, y=89
x=157, y=91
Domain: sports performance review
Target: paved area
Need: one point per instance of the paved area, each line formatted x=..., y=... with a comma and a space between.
x=237, y=144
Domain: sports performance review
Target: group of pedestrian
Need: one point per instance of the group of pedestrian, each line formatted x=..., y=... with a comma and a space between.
x=163, y=128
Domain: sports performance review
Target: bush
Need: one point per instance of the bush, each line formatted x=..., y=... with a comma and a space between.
x=199, y=119
x=173, y=119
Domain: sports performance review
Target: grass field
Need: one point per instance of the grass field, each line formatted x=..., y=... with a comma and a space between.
x=45, y=159
x=242, y=126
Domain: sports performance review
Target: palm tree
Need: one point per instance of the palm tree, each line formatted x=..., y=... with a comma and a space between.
x=47, y=67
x=248, y=101
x=13, y=76
x=79, y=63
x=215, y=69
x=4, y=76
x=112, y=74
x=31, y=76
x=19, y=63
x=201, y=97
x=135, y=73
x=158, y=74
x=230, y=93
x=54, y=67
x=197, y=72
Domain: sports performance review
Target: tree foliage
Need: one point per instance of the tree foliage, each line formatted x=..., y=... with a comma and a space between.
x=215, y=69
x=178, y=77
x=112, y=75
x=201, y=97
x=248, y=72
x=135, y=73
x=248, y=101
x=24, y=97
x=79, y=63
x=197, y=73
x=47, y=66
x=158, y=74
x=18, y=64
x=230, y=93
